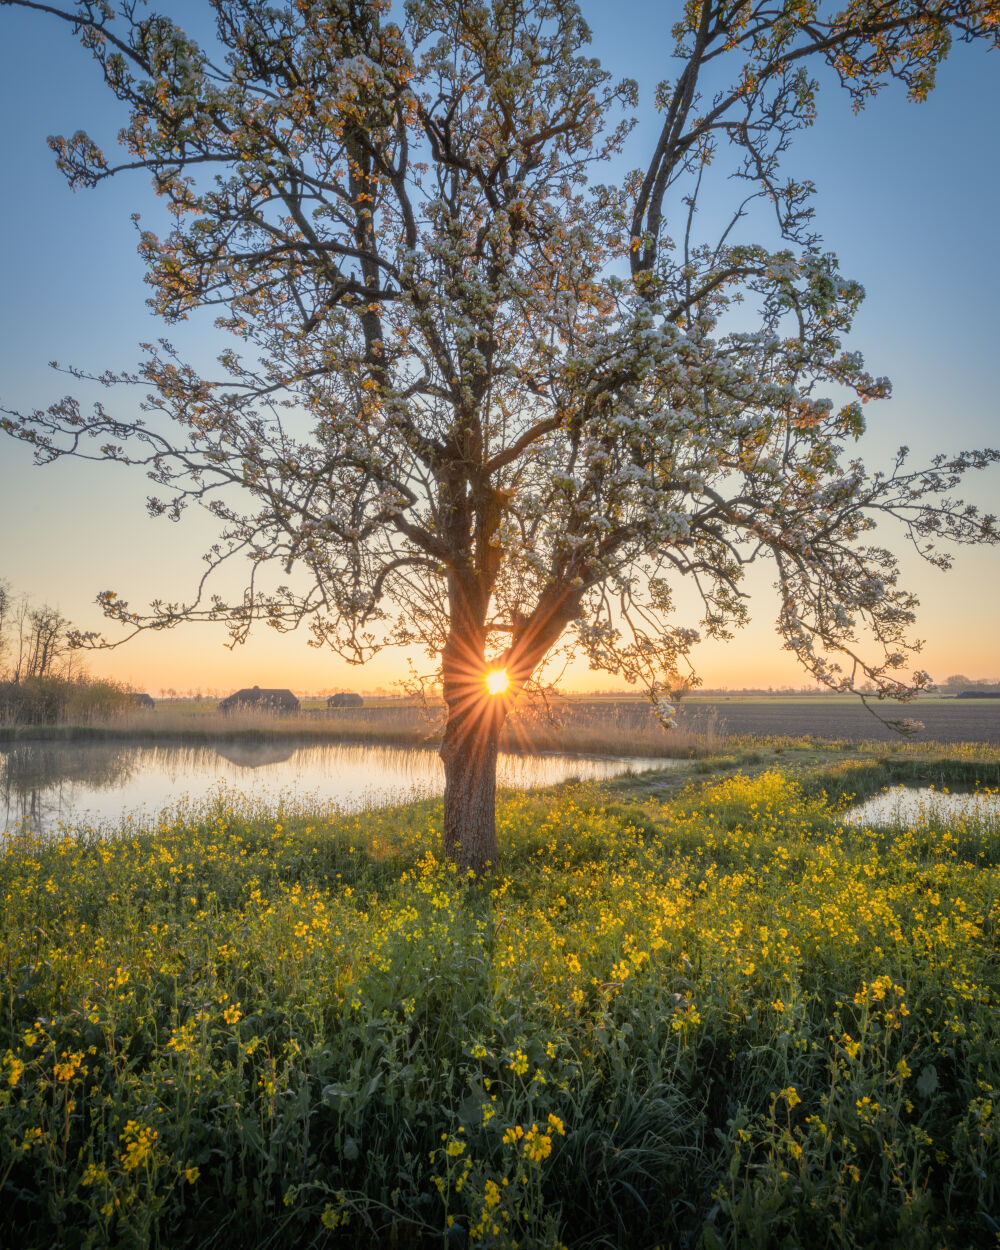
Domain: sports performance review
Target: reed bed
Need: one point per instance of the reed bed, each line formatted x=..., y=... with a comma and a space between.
x=574, y=727
x=727, y=1019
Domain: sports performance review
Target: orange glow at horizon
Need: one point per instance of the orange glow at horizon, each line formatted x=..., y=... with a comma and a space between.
x=189, y=659
x=192, y=659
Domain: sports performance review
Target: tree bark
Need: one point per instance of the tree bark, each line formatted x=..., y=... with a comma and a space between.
x=469, y=752
x=475, y=717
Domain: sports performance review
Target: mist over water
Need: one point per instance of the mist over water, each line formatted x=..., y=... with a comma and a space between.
x=45, y=785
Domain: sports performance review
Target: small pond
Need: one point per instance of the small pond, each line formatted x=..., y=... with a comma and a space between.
x=47, y=784
x=902, y=805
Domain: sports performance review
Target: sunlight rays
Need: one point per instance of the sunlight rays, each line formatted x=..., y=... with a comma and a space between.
x=497, y=681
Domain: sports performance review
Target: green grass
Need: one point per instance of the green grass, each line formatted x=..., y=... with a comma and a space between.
x=704, y=1016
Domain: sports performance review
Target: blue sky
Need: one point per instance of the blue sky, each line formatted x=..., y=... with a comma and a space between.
x=907, y=197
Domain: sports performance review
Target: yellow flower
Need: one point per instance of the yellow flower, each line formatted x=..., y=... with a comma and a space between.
x=518, y=1063
x=65, y=1070
x=537, y=1145
x=140, y=1141
x=93, y=1174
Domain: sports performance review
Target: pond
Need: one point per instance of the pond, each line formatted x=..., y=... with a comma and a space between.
x=902, y=805
x=98, y=784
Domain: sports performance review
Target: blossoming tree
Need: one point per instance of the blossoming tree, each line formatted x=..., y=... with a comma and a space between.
x=478, y=398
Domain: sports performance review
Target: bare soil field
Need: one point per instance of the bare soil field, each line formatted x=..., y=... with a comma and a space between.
x=628, y=727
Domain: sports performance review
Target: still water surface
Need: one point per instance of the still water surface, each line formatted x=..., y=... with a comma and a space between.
x=47, y=784
x=902, y=805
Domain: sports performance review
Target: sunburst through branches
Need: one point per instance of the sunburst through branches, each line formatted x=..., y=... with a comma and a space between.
x=497, y=681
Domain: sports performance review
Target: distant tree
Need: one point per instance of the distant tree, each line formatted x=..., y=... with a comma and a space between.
x=484, y=398
x=680, y=689
x=47, y=643
x=15, y=631
x=6, y=606
x=34, y=640
x=957, y=682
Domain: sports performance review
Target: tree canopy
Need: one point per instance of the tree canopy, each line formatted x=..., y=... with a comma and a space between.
x=486, y=393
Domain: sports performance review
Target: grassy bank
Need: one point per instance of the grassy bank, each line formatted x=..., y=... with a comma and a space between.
x=715, y=1019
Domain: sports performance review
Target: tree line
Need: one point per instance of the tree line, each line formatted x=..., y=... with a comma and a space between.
x=42, y=679
x=34, y=639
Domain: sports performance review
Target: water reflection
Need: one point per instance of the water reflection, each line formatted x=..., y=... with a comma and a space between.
x=255, y=754
x=48, y=784
x=925, y=805
x=41, y=780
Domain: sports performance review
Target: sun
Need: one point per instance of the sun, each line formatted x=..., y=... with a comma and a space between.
x=497, y=681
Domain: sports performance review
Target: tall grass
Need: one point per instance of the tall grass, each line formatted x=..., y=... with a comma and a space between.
x=601, y=729
x=722, y=1020
x=80, y=700
x=622, y=728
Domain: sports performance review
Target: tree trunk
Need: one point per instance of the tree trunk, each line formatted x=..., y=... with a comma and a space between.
x=469, y=747
x=469, y=752
x=475, y=717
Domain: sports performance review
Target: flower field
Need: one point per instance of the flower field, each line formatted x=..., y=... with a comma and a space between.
x=721, y=1019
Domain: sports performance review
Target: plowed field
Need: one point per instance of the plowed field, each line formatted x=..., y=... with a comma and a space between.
x=954, y=721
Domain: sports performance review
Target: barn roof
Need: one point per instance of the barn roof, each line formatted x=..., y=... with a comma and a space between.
x=262, y=691
x=261, y=694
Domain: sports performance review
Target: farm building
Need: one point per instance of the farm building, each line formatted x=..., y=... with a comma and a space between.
x=345, y=699
x=256, y=699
